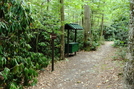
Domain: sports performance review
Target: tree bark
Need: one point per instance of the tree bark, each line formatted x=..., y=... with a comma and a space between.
x=129, y=67
x=1, y=11
x=48, y=1
x=86, y=24
x=62, y=29
x=102, y=21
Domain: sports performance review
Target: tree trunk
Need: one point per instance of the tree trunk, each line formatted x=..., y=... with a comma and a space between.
x=1, y=11
x=102, y=21
x=86, y=24
x=92, y=18
x=129, y=67
x=62, y=29
x=48, y=1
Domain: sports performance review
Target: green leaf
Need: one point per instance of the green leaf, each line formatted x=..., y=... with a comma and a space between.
x=5, y=73
x=14, y=86
x=16, y=69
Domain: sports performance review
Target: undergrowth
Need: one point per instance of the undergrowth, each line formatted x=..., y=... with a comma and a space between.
x=120, y=54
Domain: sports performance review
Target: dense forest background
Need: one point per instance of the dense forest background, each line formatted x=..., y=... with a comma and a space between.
x=25, y=27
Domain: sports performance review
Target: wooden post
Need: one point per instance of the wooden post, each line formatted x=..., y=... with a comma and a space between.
x=52, y=54
x=53, y=36
x=68, y=43
x=75, y=37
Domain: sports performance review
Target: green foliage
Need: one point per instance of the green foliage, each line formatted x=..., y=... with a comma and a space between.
x=121, y=32
x=18, y=64
x=121, y=54
x=109, y=34
x=80, y=38
x=93, y=42
x=45, y=22
x=118, y=31
x=118, y=43
x=94, y=45
x=14, y=12
x=25, y=27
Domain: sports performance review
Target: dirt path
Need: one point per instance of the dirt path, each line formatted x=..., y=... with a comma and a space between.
x=86, y=70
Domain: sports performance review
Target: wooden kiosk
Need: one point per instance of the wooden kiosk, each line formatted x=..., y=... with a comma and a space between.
x=72, y=47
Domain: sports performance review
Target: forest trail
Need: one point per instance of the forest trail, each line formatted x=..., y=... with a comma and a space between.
x=86, y=70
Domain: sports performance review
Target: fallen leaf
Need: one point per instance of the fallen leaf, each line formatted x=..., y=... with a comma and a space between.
x=78, y=81
x=97, y=86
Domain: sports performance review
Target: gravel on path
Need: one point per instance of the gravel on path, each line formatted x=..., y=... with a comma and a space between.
x=86, y=70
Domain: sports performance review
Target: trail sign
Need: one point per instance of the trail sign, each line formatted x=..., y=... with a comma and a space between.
x=53, y=36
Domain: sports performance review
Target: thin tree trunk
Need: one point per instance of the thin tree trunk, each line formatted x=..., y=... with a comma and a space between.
x=82, y=13
x=102, y=21
x=48, y=1
x=62, y=29
x=1, y=11
x=129, y=68
x=37, y=40
x=92, y=19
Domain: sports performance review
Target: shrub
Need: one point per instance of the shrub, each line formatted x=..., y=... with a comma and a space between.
x=18, y=64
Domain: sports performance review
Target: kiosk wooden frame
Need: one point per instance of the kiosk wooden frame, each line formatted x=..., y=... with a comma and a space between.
x=73, y=46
